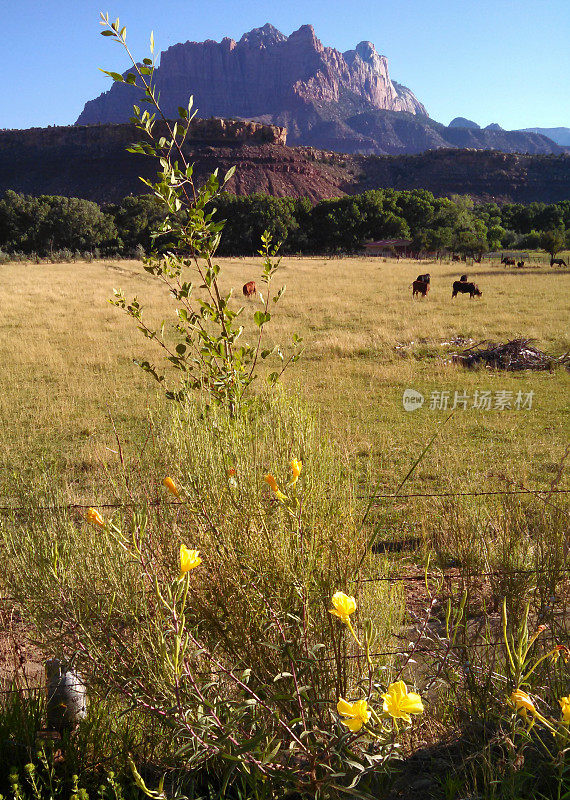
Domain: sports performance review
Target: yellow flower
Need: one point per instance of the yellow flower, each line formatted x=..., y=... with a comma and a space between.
x=344, y=606
x=357, y=713
x=272, y=482
x=94, y=517
x=565, y=706
x=522, y=703
x=269, y=479
x=188, y=559
x=399, y=703
x=171, y=486
x=296, y=467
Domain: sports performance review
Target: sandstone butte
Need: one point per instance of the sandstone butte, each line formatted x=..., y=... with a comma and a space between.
x=293, y=81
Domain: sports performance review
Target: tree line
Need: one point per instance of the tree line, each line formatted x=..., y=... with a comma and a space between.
x=46, y=225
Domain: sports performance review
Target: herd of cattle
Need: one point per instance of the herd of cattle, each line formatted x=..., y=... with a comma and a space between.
x=422, y=283
x=419, y=286
x=462, y=286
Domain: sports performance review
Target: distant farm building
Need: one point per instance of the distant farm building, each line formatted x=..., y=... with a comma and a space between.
x=388, y=247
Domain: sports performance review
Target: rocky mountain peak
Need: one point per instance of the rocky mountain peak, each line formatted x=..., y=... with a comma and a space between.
x=462, y=122
x=267, y=36
x=368, y=53
x=291, y=81
x=305, y=36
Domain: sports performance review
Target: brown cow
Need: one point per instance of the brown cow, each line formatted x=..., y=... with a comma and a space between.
x=249, y=289
x=420, y=287
x=508, y=262
x=466, y=288
x=455, y=257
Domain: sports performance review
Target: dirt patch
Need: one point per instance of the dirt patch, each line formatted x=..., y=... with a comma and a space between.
x=21, y=661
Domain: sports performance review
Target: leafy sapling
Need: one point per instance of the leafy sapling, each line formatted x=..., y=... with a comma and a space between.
x=206, y=346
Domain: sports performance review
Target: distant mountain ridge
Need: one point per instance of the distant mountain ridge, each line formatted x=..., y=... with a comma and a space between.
x=346, y=102
x=92, y=162
x=558, y=135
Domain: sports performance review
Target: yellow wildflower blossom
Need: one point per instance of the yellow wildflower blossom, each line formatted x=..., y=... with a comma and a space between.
x=188, y=559
x=343, y=606
x=399, y=703
x=94, y=517
x=296, y=467
x=357, y=713
x=522, y=702
x=171, y=486
x=270, y=480
x=565, y=706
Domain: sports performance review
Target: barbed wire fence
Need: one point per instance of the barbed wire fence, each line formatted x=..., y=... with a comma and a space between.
x=133, y=504
x=424, y=575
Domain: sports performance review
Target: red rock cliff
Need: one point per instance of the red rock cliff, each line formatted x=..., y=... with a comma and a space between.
x=292, y=80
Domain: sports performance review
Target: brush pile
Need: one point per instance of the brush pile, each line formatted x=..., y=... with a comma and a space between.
x=514, y=355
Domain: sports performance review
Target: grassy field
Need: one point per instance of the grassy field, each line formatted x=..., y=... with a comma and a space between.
x=67, y=369
x=76, y=413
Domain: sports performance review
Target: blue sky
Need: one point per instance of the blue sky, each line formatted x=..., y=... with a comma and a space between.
x=505, y=61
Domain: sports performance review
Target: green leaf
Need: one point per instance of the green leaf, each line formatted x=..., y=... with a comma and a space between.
x=260, y=318
x=107, y=33
x=229, y=174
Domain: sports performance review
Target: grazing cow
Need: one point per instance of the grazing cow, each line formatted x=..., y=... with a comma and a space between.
x=520, y=264
x=455, y=258
x=249, y=289
x=508, y=262
x=420, y=287
x=466, y=288
x=559, y=262
x=424, y=278
x=463, y=278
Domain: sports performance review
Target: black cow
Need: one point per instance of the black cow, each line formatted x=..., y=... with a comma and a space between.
x=559, y=262
x=463, y=287
x=424, y=278
x=420, y=287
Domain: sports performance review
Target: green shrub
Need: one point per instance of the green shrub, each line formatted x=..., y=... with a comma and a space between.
x=245, y=657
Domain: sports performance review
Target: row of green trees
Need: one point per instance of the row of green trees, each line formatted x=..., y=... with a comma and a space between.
x=47, y=224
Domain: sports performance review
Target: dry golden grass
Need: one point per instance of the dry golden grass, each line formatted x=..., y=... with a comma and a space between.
x=66, y=357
